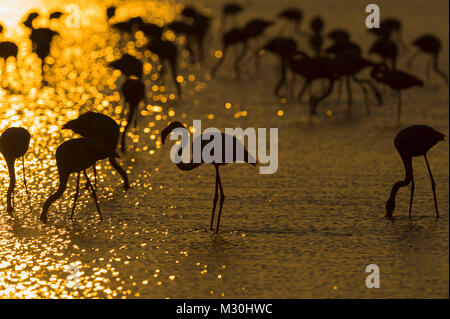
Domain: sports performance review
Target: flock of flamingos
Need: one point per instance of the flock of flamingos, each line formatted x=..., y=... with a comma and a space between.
x=342, y=62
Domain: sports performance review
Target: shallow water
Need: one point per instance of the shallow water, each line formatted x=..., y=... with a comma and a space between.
x=307, y=231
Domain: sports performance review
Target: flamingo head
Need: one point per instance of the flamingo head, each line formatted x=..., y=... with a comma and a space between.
x=390, y=206
x=169, y=129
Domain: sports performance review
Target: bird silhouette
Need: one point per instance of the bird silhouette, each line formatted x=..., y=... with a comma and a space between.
x=430, y=45
x=396, y=80
x=386, y=49
x=248, y=158
x=133, y=91
x=103, y=128
x=347, y=65
x=166, y=51
x=55, y=15
x=7, y=49
x=253, y=29
x=41, y=39
x=129, y=65
x=110, y=12
x=199, y=30
x=14, y=143
x=230, y=10
x=1, y=28
x=312, y=69
x=293, y=15
x=75, y=156
x=410, y=142
x=282, y=48
x=316, y=39
x=390, y=28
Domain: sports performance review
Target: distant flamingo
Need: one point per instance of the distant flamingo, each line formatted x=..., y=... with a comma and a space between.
x=230, y=9
x=75, y=156
x=133, y=91
x=41, y=39
x=431, y=45
x=7, y=49
x=55, y=15
x=316, y=39
x=293, y=15
x=387, y=50
x=410, y=142
x=103, y=128
x=110, y=12
x=248, y=158
x=129, y=65
x=253, y=29
x=283, y=48
x=396, y=80
x=14, y=144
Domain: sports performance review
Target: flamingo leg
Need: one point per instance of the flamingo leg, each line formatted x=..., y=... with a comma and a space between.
x=412, y=193
x=399, y=107
x=25, y=183
x=94, y=195
x=433, y=187
x=121, y=171
x=349, y=94
x=76, y=196
x=12, y=185
x=216, y=197
x=222, y=198
x=95, y=175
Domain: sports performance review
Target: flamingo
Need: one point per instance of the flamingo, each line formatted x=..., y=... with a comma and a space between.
x=230, y=9
x=386, y=49
x=41, y=39
x=75, y=156
x=316, y=39
x=56, y=15
x=133, y=91
x=396, y=80
x=283, y=48
x=410, y=142
x=129, y=65
x=248, y=158
x=103, y=128
x=110, y=12
x=430, y=45
x=253, y=29
x=14, y=143
x=293, y=15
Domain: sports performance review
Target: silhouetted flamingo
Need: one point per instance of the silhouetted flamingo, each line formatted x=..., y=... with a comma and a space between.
x=199, y=30
x=129, y=65
x=293, y=15
x=396, y=80
x=410, y=142
x=431, y=45
x=248, y=158
x=166, y=51
x=110, y=12
x=14, y=143
x=348, y=64
x=55, y=15
x=133, y=91
x=311, y=69
x=283, y=48
x=252, y=29
x=387, y=50
x=103, y=128
x=75, y=156
x=390, y=28
x=230, y=9
x=41, y=39
x=316, y=39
